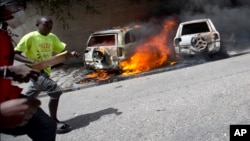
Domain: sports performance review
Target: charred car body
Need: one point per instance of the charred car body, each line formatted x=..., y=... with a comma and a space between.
x=197, y=37
x=105, y=49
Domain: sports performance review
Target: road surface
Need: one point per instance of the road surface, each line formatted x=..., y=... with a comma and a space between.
x=196, y=103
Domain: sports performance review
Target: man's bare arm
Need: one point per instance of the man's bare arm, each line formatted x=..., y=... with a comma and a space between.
x=20, y=73
x=23, y=59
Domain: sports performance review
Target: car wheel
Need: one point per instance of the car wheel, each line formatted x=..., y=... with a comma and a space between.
x=199, y=43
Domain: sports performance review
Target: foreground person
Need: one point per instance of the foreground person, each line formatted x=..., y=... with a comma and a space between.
x=19, y=115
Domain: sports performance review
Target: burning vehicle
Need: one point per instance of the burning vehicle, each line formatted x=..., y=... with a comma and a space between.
x=130, y=50
x=197, y=37
x=106, y=48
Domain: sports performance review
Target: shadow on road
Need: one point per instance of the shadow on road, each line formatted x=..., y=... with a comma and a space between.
x=84, y=120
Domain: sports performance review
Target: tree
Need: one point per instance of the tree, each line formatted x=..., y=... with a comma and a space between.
x=61, y=9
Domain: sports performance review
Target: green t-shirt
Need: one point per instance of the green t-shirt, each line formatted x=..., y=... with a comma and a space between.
x=38, y=47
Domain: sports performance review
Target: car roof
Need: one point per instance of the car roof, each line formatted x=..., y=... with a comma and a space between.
x=112, y=31
x=195, y=21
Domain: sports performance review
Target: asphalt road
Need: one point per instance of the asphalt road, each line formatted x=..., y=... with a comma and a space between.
x=196, y=103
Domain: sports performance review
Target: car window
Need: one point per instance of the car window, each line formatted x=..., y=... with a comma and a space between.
x=194, y=28
x=129, y=37
x=103, y=40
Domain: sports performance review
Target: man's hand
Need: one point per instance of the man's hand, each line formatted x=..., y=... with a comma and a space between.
x=75, y=54
x=17, y=112
x=22, y=73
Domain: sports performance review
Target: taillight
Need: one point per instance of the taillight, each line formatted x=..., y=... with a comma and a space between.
x=119, y=52
x=177, y=40
x=215, y=36
x=86, y=50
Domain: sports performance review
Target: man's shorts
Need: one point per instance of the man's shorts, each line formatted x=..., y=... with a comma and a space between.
x=46, y=84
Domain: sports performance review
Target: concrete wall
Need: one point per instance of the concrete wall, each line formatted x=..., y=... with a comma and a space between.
x=111, y=13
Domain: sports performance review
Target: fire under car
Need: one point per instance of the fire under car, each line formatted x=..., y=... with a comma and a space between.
x=105, y=49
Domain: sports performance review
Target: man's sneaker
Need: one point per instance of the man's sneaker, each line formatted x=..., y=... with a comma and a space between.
x=63, y=128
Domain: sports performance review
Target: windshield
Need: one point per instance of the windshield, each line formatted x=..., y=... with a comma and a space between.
x=194, y=28
x=102, y=40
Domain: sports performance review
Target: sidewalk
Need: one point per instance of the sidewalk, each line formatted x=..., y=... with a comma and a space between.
x=66, y=75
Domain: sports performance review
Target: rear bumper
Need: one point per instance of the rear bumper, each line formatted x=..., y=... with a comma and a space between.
x=190, y=50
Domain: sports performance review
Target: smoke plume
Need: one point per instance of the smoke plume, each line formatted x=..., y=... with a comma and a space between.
x=231, y=18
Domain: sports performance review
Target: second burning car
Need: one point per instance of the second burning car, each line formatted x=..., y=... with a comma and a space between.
x=197, y=37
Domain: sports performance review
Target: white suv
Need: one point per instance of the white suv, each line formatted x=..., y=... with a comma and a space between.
x=105, y=49
x=197, y=37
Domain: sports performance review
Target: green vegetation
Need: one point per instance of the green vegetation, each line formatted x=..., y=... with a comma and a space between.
x=60, y=9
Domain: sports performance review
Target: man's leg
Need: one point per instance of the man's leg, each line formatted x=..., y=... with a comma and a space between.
x=44, y=83
x=53, y=106
x=43, y=127
x=54, y=91
x=39, y=128
x=34, y=88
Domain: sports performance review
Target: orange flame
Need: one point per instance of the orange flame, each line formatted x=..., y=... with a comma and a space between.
x=102, y=50
x=100, y=75
x=153, y=53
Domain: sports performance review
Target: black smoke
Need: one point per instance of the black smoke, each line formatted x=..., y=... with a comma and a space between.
x=231, y=18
